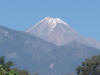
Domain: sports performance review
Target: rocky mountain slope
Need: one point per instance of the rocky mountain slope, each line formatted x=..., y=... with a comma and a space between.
x=45, y=56
x=58, y=32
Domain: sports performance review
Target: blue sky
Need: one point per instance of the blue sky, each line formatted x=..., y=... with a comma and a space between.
x=82, y=15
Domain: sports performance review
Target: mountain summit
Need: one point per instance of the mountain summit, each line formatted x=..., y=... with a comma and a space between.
x=54, y=21
x=58, y=32
x=53, y=30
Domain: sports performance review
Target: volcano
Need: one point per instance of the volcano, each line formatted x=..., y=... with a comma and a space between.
x=58, y=32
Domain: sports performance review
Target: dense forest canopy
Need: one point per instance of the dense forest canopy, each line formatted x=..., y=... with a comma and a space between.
x=90, y=66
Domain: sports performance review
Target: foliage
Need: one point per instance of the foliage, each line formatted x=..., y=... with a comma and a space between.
x=5, y=67
x=21, y=72
x=90, y=66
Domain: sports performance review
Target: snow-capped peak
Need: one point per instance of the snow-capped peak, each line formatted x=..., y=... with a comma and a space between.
x=57, y=20
x=53, y=30
x=54, y=21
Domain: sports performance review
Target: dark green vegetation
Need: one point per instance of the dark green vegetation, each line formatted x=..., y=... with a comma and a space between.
x=5, y=68
x=90, y=66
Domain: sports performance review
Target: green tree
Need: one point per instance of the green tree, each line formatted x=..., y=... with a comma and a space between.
x=21, y=72
x=5, y=67
x=90, y=66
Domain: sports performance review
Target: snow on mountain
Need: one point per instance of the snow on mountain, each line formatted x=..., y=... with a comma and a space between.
x=54, y=30
x=58, y=32
x=53, y=21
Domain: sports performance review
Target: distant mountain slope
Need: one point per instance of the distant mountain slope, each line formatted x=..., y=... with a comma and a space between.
x=58, y=32
x=36, y=55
